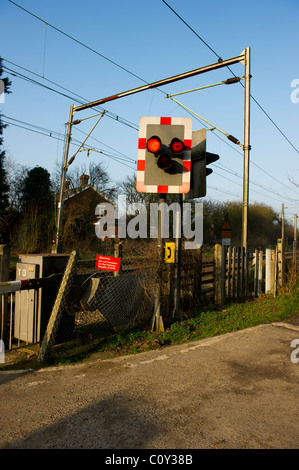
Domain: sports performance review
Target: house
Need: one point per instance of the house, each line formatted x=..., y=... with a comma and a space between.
x=85, y=195
x=79, y=205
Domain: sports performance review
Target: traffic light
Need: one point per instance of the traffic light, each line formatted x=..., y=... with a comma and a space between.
x=200, y=158
x=164, y=155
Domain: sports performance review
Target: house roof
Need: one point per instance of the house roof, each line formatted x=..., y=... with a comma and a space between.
x=70, y=193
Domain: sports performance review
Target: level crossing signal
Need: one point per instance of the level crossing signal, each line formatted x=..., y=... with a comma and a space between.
x=164, y=155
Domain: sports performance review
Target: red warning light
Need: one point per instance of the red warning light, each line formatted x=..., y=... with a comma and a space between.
x=153, y=144
x=177, y=146
x=164, y=161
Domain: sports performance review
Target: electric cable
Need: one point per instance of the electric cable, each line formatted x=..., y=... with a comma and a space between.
x=55, y=135
x=35, y=82
x=220, y=60
x=123, y=68
x=78, y=42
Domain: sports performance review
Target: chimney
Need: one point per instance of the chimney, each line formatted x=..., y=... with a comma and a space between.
x=66, y=185
x=84, y=180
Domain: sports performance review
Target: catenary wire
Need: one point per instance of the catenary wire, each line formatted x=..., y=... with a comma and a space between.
x=78, y=42
x=220, y=59
x=35, y=82
x=134, y=126
x=51, y=89
x=144, y=81
x=55, y=135
x=114, y=63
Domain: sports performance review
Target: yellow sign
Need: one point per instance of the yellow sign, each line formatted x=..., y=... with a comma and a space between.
x=169, y=252
x=226, y=231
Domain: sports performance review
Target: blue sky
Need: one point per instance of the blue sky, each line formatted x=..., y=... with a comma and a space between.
x=151, y=42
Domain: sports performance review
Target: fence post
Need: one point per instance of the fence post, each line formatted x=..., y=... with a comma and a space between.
x=234, y=273
x=229, y=272
x=256, y=271
x=217, y=274
x=246, y=273
x=223, y=274
x=4, y=276
x=242, y=271
x=280, y=262
x=197, y=274
x=270, y=269
x=239, y=278
x=116, y=252
x=49, y=337
x=260, y=274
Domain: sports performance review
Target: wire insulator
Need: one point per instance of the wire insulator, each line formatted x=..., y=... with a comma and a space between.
x=71, y=160
x=233, y=139
x=229, y=81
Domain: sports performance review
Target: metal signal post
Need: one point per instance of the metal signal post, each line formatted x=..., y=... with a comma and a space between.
x=243, y=58
x=246, y=148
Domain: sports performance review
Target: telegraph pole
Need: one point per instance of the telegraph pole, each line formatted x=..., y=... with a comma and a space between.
x=55, y=248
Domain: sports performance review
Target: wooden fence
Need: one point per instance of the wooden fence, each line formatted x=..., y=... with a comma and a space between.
x=239, y=274
x=232, y=274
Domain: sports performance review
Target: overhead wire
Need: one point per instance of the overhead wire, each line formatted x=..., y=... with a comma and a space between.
x=236, y=150
x=252, y=190
x=220, y=60
x=196, y=117
x=119, y=119
x=51, y=132
x=55, y=135
x=140, y=78
x=73, y=98
x=78, y=42
x=106, y=145
x=136, y=76
x=234, y=173
x=225, y=192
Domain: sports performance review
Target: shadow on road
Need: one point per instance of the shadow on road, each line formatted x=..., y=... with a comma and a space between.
x=112, y=423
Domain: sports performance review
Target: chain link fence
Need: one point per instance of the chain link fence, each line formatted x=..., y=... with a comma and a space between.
x=93, y=305
x=90, y=305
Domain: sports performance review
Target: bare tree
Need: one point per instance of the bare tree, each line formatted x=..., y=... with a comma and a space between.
x=98, y=178
x=16, y=174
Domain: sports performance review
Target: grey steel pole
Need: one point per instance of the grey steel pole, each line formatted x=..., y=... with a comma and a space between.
x=177, y=314
x=157, y=323
x=246, y=149
x=55, y=248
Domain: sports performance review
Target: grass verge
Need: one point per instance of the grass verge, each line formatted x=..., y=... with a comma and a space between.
x=207, y=323
x=204, y=323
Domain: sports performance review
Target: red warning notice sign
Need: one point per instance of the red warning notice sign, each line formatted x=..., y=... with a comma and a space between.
x=107, y=263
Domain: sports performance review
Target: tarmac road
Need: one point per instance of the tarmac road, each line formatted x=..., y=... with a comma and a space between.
x=235, y=391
